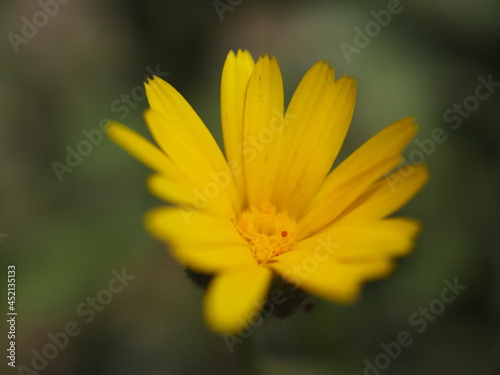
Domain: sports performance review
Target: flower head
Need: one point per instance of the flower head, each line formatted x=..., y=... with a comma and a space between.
x=271, y=208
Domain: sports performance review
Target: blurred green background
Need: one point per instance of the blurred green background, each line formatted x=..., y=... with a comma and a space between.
x=85, y=63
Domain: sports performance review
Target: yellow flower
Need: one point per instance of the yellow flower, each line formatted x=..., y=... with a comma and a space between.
x=272, y=208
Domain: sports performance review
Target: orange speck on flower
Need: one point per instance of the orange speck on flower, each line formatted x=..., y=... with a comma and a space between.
x=261, y=228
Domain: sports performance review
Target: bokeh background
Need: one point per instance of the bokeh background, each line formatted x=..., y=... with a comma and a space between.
x=66, y=234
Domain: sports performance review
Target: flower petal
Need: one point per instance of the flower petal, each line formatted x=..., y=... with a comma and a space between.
x=328, y=278
x=357, y=173
x=182, y=135
x=328, y=204
x=143, y=150
x=234, y=298
x=200, y=241
x=317, y=121
x=214, y=186
x=170, y=191
x=262, y=132
x=388, y=195
x=235, y=75
x=364, y=241
x=165, y=99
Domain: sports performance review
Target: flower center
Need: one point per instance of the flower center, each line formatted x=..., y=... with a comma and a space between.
x=268, y=232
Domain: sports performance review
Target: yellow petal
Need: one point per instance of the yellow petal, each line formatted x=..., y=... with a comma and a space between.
x=334, y=280
x=317, y=121
x=365, y=240
x=354, y=175
x=388, y=195
x=143, y=150
x=175, y=123
x=170, y=191
x=388, y=143
x=329, y=204
x=200, y=241
x=214, y=186
x=235, y=75
x=262, y=132
x=165, y=99
x=234, y=298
